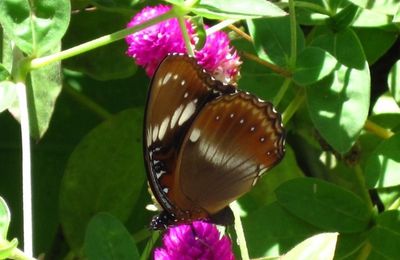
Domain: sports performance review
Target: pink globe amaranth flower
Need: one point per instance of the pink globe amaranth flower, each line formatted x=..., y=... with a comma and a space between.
x=149, y=46
x=198, y=240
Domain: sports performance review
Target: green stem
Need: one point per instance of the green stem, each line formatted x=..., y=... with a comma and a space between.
x=26, y=169
x=281, y=92
x=395, y=205
x=104, y=40
x=185, y=35
x=220, y=26
x=149, y=246
x=293, y=35
x=363, y=186
x=87, y=102
x=239, y=231
x=378, y=130
x=293, y=106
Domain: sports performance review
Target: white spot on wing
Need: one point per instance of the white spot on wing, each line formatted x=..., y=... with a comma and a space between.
x=155, y=133
x=176, y=115
x=187, y=113
x=175, y=77
x=183, y=82
x=194, y=136
x=185, y=95
x=148, y=136
x=163, y=128
x=166, y=78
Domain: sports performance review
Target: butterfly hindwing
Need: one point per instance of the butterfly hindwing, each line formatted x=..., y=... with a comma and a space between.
x=234, y=139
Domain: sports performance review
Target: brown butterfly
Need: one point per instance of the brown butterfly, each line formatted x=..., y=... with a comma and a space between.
x=205, y=143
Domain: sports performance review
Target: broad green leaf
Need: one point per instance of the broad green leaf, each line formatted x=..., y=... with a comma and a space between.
x=42, y=91
x=321, y=246
x=390, y=196
x=8, y=95
x=4, y=74
x=272, y=231
x=396, y=18
x=385, y=104
x=370, y=19
x=344, y=18
x=263, y=193
x=6, y=52
x=7, y=248
x=394, y=81
x=338, y=105
x=349, y=244
x=237, y=9
x=104, y=63
x=382, y=6
x=382, y=167
x=313, y=64
x=375, y=49
x=272, y=39
x=35, y=26
x=107, y=238
x=5, y=218
x=324, y=205
x=385, y=236
x=104, y=173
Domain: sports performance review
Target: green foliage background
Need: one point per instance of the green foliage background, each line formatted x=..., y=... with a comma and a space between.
x=333, y=72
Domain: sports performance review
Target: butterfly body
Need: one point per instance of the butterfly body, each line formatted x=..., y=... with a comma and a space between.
x=205, y=143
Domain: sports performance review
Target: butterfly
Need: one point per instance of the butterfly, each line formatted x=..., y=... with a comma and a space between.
x=205, y=143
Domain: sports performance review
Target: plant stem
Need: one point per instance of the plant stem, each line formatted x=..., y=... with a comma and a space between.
x=266, y=64
x=363, y=186
x=150, y=244
x=220, y=26
x=240, y=32
x=239, y=231
x=104, y=40
x=281, y=92
x=185, y=35
x=293, y=106
x=378, y=130
x=26, y=169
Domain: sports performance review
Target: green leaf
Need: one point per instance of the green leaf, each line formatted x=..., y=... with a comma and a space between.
x=383, y=166
x=107, y=62
x=338, y=105
x=4, y=74
x=107, y=238
x=7, y=249
x=394, y=81
x=236, y=9
x=42, y=91
x=389, y=196
x=321, y=246
x=349, y=244
x=272, y=39
x=272, y=231
x=366, y=18
x=36, y=26
x=5, y=218
x=386, y=7
x=375, y=49
x=313, y=64
x=263, y=193
x=344, y=18
x=385, y=236
x=324, y=205
x=104, y=173
x=8, y=95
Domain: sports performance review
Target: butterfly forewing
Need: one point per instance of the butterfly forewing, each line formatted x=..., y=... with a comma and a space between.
x=234, y=139
x=178, y=91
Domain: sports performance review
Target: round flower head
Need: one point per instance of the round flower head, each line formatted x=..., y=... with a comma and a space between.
x=150, y=46
x=198, y=240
